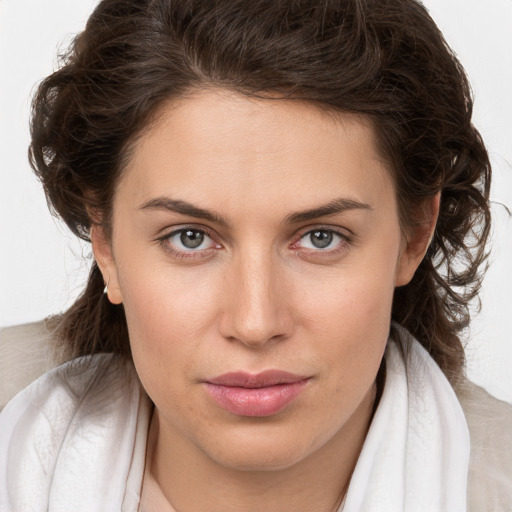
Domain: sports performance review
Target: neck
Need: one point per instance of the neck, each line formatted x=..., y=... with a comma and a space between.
x=190, y=480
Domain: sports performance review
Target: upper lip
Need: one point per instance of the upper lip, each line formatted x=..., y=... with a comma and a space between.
x=259, y=380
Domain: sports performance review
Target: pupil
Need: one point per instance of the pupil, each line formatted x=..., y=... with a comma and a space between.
x=321, y=239
x=191, y=239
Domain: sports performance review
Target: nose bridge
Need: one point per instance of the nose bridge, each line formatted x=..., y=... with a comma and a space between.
x=257, y=311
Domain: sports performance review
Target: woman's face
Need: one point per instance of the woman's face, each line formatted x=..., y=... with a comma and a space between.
x=256, y=247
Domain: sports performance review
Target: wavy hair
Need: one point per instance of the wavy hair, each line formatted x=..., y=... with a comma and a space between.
x=384, y=59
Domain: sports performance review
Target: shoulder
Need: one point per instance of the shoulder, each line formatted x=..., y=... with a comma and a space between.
x=490, y=427
x=27, y=351
x=66, y=423
x=68, y=385
x=45, y=408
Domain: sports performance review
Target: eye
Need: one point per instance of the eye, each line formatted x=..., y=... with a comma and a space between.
x=188, y=240
x=323, y=239
x=319, y=239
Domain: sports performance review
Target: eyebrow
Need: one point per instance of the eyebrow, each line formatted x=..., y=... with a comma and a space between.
x=336, y=206
x=339, y=205
x=184, y=208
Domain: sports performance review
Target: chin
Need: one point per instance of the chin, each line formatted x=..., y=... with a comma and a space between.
x=260, y=451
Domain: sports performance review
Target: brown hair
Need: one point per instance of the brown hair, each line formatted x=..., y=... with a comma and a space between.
x=384, y=59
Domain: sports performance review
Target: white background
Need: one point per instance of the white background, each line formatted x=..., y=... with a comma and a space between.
x=42, y=267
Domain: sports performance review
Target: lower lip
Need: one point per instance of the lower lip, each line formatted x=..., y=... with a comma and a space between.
x=255, y=402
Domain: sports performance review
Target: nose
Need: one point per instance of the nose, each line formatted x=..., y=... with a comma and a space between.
x=257, y=308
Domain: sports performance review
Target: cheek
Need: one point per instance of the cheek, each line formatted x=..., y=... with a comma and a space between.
x=355, y=329
x=168, y=321
x=349, y=314
x=360, y=295
x=168, y=312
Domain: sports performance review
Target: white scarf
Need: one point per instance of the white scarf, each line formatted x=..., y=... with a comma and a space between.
x=75, y=440
x=416, y=455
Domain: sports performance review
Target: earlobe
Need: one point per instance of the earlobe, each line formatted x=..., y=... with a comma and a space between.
x=418, y=240
x=104, y=257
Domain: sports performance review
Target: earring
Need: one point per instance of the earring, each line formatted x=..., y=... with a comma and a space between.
x=105, y=290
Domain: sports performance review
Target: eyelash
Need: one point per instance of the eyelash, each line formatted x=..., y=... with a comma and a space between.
x=190, y=254
x=344, y=242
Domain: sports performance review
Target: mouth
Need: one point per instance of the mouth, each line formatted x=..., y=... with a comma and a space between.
x=260, y=395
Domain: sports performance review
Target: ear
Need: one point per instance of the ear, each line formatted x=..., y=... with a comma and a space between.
x=417, y=240
x=104, y=257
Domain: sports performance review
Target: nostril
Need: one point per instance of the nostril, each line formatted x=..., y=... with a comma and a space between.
x=252, y=334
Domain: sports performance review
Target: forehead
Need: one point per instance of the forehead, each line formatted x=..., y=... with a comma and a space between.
x=219, y=146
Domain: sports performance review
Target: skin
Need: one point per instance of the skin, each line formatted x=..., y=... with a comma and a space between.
x=257, y=294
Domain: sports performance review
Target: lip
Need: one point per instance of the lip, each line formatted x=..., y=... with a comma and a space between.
x=255, y=395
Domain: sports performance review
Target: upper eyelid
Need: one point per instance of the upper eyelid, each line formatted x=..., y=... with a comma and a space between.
x=166, y=233
x=345, y=240
x=169, y=231
x=164, y=241
x=343, y=232
x=220, y=238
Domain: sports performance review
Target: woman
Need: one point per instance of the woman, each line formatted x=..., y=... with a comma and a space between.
x=288, y=208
